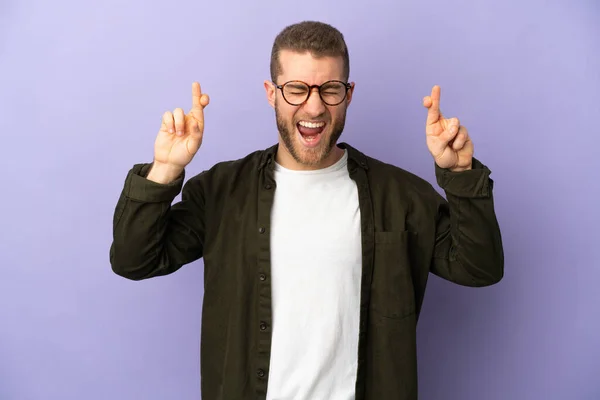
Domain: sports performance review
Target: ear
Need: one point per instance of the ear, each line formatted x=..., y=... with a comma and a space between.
x=350, y=93
x=271, y=92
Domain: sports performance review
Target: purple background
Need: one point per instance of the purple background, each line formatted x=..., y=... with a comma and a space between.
x=82, y=90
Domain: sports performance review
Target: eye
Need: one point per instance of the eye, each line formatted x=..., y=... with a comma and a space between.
x=296, y=89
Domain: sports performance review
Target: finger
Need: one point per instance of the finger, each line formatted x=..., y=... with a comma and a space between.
x=179, y=117
x=433, y=115
x=451, y=131
x=167, y=122
x=199, y=101
x=195, y=126
x=427, y=101
x=461, y=138
x=453, y=122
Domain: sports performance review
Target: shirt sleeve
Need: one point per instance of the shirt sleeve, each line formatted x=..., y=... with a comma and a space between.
x=468, y=244
x=152, y=237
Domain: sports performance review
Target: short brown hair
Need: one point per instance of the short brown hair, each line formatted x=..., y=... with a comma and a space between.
x=318, y=38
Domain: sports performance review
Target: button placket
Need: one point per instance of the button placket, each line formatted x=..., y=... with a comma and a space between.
x=262, y=322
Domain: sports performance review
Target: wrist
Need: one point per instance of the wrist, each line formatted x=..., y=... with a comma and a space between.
x=163, y=173
x=461, y=169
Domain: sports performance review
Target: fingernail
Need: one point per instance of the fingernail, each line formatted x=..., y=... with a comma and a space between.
x=171, y=131
x=179, y=133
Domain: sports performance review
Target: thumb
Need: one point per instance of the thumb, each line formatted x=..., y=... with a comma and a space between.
x=193, y=143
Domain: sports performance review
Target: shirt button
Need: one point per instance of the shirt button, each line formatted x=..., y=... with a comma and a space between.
x=262, y=277
x=260, y=373
x=263, y=326
x=267, y=186
x=261, y=229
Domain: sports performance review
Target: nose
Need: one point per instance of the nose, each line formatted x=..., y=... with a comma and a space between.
x=314, y=106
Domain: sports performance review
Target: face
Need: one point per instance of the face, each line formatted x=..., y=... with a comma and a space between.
x=308, y=133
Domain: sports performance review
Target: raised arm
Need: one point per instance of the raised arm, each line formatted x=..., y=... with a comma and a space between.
x=152, y=237
x=468, y=248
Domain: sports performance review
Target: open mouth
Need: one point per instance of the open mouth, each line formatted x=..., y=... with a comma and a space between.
x=310, y=132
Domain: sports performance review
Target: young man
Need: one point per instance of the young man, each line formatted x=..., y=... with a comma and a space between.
x=316, y=256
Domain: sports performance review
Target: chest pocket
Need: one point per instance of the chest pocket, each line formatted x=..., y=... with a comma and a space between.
x=392, y=291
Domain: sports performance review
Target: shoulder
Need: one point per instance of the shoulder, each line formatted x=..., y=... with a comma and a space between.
x=249, y=163
x=233, y=170
x=389, y=176
x=386, y=173
x=393, y=188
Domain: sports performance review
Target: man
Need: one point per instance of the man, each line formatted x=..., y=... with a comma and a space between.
x=316, y=256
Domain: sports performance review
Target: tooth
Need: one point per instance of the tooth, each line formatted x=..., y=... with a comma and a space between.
x=312, y=124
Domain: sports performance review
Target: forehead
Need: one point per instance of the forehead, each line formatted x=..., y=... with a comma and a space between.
x=312, y=70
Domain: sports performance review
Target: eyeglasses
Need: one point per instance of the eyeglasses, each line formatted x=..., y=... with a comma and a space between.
x=297, y=92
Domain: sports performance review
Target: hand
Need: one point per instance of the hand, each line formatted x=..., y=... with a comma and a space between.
x=180, y=136
x=447, y=140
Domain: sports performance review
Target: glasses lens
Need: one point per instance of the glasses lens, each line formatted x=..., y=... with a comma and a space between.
x=295, y=92
x=333, y=93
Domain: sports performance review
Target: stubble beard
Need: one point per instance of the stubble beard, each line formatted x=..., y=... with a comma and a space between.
x=309, y=157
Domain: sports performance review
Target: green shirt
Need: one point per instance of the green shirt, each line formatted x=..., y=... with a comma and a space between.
x=408, y=230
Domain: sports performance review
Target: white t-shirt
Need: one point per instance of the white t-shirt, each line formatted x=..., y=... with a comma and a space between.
x=316, y=263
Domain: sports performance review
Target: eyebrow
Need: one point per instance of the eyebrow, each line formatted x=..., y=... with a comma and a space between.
x=297, y=85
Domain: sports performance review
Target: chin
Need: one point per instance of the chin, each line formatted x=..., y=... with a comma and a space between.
x=311, y=157
x=311, y=154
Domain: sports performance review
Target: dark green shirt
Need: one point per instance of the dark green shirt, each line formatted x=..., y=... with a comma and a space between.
x=408, y=230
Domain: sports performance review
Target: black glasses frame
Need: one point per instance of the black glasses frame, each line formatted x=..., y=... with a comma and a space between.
x=347, y=85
